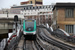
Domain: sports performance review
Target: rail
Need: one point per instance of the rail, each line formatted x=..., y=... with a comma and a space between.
x=32, y=45
x=39, y=47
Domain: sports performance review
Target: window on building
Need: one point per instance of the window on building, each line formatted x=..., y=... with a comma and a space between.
x=69, y=28
x=26, y=8
x=46, y=16
x=39, y=6
x=30, y=2
x=43, y=7
x=69, y=13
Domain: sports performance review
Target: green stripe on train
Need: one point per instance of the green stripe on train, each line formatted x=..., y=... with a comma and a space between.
x=23, y=25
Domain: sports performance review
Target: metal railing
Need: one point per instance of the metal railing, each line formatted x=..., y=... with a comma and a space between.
x=59, y=35
x=14, y=42
x=2, y=44
x=64, y=37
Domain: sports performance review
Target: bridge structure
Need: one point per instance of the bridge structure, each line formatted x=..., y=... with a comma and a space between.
x=46, y=38
x=7, y=28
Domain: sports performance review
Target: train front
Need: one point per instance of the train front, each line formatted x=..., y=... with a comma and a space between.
x=29, y=29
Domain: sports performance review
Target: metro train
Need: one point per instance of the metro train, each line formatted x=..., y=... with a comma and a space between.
x=29, y=29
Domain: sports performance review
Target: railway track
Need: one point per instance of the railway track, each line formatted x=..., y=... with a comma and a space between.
x=47, y=46
x=48, y=39
x=38, y=45
x=32, y=45
x=29, y=45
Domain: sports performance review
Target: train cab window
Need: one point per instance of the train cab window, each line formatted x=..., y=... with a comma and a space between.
x=29, y=25
x=30, y=2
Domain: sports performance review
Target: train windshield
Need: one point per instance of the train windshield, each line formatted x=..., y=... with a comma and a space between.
x=29, y=24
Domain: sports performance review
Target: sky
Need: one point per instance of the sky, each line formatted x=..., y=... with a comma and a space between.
x=9, y=3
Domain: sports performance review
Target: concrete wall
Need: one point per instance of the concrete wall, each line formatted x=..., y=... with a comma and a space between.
x=11, y=15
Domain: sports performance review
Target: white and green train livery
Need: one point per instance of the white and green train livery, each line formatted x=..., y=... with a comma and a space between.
x=29, y=28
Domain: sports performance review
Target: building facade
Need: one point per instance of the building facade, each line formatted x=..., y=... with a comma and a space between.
x=64, y=16
x=43, y=14
x=16, y=9
x=11, y=11
x=33, y=9
x=34, y=2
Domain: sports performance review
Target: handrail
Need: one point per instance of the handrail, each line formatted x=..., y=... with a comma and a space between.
x=64, y=37
x=65, y=32
x=2, y=44
x=13, y=41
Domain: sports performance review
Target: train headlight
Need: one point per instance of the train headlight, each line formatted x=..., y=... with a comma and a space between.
x=34, y=33
x=24, y=33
